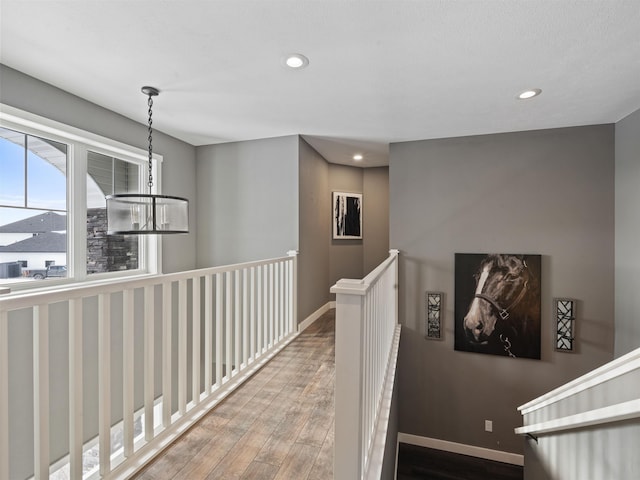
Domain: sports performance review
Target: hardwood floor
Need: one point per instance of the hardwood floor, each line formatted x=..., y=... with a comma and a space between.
x=278, y=425
x=419, y=463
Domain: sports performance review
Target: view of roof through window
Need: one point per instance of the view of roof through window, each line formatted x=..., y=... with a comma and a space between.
x=34, y=211
x=33, y=206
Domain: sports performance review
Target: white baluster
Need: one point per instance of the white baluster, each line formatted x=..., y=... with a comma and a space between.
x=272, y=302
x=261, y=310
x=237, y=322
x=182, y=347
x=4, y=394
x=195, y=340
x=127, y=370
x=219, y=322
x=166, y=354
x=366, y=318
x=149, y=329
x=228, y=325
x=254, y=311
x=104, y=382
x=245, y=317
x=276, y=302
x=75, y=388
x=41, y=391
x=208, y=334
x=252, y=314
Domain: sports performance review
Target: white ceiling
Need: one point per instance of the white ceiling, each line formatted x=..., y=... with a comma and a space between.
x=379, y=71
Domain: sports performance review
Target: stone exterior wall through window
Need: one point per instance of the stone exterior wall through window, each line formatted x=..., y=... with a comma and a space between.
x=108, y=253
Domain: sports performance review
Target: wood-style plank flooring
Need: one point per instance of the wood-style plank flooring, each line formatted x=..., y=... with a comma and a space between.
x=278, y=425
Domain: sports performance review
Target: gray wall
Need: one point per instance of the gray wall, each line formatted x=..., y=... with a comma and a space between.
x=32, y=95
x=549, y=192
x=345, y=256
x=627, y=217
x=178, y=167
x=324, y=261
x=315, y=232
x=257, y=199
x=376, y=217
x=247, y=200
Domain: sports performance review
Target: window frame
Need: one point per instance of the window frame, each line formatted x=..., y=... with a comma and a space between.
x=79, y=143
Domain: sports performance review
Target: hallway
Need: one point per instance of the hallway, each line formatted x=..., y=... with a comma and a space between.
x=278, y=425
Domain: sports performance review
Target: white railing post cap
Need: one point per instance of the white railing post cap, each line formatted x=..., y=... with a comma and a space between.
x=350, y=286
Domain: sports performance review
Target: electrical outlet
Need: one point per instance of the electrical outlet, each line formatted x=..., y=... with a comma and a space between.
x=488, y=426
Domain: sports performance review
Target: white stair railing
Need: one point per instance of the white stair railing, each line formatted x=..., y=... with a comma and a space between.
x=367, y=339
x=188, y=338
x=588, y=428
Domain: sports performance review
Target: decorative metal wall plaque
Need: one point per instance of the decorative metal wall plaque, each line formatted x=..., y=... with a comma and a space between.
x=565, y=315
x=433, y=328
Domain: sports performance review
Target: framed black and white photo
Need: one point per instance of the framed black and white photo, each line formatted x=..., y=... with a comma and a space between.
x=497, y=304
x=347, y=216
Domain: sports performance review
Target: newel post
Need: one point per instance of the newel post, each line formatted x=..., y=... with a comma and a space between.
x=396, y=314
x=293, y=290
x=349, y=376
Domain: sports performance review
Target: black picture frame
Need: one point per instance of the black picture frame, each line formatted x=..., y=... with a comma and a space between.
x=497, y=304
x=347, y=216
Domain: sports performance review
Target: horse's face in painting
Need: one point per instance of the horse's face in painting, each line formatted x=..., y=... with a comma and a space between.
x=502, y=282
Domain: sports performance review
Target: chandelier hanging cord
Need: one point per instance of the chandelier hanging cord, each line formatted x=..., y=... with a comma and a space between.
x=147, y=213
x=151, y=92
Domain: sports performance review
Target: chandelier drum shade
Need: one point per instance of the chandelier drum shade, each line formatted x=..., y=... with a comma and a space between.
x=140, y=213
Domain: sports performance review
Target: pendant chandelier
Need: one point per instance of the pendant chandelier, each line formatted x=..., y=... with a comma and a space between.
x=142, y=214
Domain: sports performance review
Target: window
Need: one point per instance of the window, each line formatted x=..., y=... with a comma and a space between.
x=33, y=202
x=52, y=203
x=106, y=176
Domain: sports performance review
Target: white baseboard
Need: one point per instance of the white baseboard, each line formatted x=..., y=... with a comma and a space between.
x=480, y=452
x=315, y=315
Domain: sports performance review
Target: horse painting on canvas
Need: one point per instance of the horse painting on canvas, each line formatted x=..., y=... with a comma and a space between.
x=497, y=305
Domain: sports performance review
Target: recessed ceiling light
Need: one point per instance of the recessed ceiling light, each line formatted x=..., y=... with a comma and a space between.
x=534, y=92
x=357, y=157
x=296, y=61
